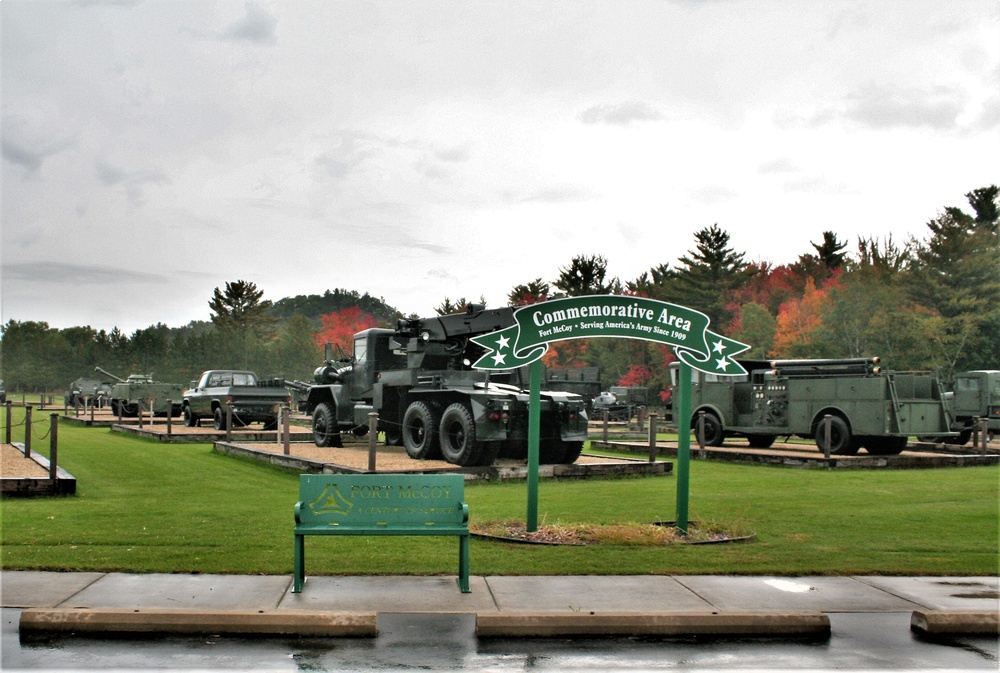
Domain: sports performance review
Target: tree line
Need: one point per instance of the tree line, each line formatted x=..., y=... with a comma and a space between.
x=926, y=303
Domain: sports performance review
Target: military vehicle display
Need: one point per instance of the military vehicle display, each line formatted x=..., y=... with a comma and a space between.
x=867, y=407
x=418, y=378
x=621, y=402
x=976, y=395
x=87, y=391
x=3, y=392
x=250, y=399
x=139, y=392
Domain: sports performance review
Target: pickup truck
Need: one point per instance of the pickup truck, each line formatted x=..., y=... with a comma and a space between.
x=251, y=400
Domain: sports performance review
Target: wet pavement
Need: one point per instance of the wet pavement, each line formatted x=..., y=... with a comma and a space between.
x=426, y=623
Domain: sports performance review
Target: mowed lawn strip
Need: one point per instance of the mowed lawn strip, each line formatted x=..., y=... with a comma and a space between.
x=143, y=506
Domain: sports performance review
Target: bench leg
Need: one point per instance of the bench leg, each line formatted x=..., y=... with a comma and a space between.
x=299, y=577
x=463, y=564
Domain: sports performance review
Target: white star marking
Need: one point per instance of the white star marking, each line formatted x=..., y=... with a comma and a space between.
x=718, y=347
x=722, y=364
x=498, y=358
x=502, y=343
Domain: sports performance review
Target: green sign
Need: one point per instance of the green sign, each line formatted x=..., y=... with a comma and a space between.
x=610, y=316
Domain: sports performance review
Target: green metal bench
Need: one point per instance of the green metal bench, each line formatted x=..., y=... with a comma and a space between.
x=381, y=504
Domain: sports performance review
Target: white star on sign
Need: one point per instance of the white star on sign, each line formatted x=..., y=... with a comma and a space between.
x=722, y=364
x=498, y=358
x=502, y=343
x=718, y=347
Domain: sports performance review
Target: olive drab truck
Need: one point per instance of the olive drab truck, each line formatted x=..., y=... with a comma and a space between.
x=419, y=380
x=975, y=397
x=140, y=393
x=867, y=407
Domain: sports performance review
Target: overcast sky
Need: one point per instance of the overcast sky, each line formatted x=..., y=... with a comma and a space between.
x=156, y=149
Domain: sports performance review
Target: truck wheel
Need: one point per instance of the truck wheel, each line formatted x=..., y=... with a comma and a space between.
x=420, y=432
x=761, y=441
x=220, y=418
x=571, y=451
x=713, y=429
x=324, y=424
x=458, y=438
x=841, y=441
x=190, y=420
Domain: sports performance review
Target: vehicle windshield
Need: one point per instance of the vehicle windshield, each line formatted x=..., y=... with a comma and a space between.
x=360, y=350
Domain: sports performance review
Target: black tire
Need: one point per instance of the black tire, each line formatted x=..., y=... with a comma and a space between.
x=714, y=435
x=420, y=432
x=761, y=441
x=571, y=451
x=219, y=419
x=191, y=420
x=393, y=435
x=459, y=445
x=324, y=426
x=884, y=446
x=841, y=441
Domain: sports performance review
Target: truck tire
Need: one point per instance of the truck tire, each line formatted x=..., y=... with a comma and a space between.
x=190, y=419
x=841, y=441
x=558, y=452
x=324, y=426
x=420, y=432
x=220, y=418
x=459, y=445
x=714, y=435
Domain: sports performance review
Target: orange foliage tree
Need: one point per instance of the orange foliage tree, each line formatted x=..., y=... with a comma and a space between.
x=339, y=327
x=799, y=321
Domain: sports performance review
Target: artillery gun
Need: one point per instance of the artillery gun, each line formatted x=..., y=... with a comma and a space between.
x=141, y=392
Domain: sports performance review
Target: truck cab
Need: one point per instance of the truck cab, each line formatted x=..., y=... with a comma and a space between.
x=976, y=395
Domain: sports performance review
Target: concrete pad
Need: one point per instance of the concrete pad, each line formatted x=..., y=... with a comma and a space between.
x=30, y=588
x=955, y=622
x=943, y=593
x=826, y=594
x=389, y=594
x=619, y=593
x=260, y=622
x=159, y=591
x=715, y=624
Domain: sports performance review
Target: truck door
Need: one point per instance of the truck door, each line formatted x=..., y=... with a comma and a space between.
x=969, y=400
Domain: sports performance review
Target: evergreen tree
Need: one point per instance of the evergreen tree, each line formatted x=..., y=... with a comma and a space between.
x=586, y=275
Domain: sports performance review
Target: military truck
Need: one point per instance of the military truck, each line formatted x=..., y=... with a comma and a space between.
x=621, y=402
x=139, y=392
x=868, y=407
x=418, y=378
x=250, y=399
x=975, y=396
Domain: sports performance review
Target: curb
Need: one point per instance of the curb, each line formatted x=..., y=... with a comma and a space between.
x=955, y=622
x=216, y=622
x=813, y=625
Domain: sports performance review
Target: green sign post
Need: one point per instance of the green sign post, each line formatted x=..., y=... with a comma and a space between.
x=585, y=317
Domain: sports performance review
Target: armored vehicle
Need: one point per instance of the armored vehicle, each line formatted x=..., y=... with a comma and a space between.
x=867, y=407
x=141, y=392
x=86, y=391
x=418, y=378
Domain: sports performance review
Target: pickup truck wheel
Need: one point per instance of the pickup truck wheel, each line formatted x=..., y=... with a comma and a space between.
x=459, y=445
x=190, y=419
x=420, y=432
x=219, y=418
x=841, y=441
x=324, y=425
x=713, y=429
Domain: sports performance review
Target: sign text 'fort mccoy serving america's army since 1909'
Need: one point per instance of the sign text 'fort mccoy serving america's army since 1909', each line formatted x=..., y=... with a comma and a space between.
x=610, y=316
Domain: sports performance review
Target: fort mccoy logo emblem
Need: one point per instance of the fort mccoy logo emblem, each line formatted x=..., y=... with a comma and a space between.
x=610, y=316
x=331, y=501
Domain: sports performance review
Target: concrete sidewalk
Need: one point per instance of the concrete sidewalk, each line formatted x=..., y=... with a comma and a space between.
x=504, y=606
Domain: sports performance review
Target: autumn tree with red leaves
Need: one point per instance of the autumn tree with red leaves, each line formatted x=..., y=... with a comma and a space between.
x=339, y=327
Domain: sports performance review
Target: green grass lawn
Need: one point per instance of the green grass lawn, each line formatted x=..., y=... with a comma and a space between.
x=143, y=506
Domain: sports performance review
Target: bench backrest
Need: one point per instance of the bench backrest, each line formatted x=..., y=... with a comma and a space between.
x=368, y=500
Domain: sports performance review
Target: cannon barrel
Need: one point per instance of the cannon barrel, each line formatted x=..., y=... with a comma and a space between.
x=107, y=373
x=843, y=370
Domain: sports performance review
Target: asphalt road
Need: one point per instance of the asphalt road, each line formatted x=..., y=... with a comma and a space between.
x=447, y=642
